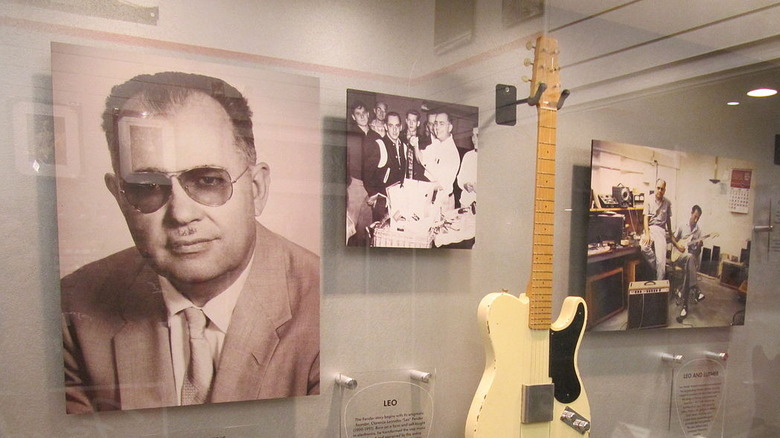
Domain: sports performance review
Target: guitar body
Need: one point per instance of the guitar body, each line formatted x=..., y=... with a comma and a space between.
x=513, y=353
x=676, y=254
x=531, y=387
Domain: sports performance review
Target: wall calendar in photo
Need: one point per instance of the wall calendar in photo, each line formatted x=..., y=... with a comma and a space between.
x=739, y=193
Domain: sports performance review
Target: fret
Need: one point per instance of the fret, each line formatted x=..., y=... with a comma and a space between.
x=547, y=135
x=539, y=297
x=541, y=273
x=541, y=285
x=540, y=307
x=540, y=282
x=545, y=193
x=543, y=218
x=545, y=167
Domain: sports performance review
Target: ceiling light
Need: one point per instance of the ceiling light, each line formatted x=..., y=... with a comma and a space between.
x=732, y=103
x=762, y=92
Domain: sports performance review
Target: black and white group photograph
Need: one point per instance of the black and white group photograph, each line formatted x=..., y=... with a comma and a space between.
x=411, y=172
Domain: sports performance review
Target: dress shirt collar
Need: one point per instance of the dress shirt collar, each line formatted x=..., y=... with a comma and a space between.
x=218, y=309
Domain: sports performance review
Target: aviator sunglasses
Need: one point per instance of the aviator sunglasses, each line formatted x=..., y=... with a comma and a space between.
x=148, y=191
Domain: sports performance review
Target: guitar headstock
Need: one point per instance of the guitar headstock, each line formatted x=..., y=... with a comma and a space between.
x=546, y=71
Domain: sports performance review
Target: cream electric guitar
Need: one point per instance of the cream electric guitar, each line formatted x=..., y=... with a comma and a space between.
x=676, y=253
x=531, y=387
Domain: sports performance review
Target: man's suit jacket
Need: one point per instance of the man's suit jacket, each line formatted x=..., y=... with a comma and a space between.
x=116, y=341
x=382, y=165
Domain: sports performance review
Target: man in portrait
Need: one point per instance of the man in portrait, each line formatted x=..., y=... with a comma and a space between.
x=441, y=159
x=208, y=305
x=358, y=211
x=657, y=225
x=411, y=138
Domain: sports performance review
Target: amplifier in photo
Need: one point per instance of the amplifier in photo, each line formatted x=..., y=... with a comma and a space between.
x=623, y=196
x=648, y=304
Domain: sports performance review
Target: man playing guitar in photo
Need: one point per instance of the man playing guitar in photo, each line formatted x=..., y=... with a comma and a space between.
x=688, y=240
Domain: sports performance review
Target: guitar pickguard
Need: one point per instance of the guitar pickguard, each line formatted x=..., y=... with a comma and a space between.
x=563, y=345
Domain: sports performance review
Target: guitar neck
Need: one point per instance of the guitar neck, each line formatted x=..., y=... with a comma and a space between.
x=540, y=293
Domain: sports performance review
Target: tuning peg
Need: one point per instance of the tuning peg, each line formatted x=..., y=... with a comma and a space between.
x=527, y=62
x=530, y=45
x=525, y=79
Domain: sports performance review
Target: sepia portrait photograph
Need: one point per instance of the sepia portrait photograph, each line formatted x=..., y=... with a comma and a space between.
x=668, y=238
x=411, y=171
x=189, y=236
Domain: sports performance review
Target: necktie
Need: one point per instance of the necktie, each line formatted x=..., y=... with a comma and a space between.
x=197, y=381
x=409, y=163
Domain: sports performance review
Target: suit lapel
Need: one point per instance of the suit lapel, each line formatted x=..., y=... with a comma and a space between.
x=142, y=346
x=252, y=336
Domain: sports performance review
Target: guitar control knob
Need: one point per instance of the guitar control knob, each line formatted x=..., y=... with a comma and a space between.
x=574, y=420
x=581, y=426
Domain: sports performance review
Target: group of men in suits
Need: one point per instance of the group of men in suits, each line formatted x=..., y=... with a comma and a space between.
x=209, y=305
x=386, y=148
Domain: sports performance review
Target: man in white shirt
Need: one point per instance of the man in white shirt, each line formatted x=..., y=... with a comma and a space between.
x=441, y=159
x=657, y=224
x=689, y=233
